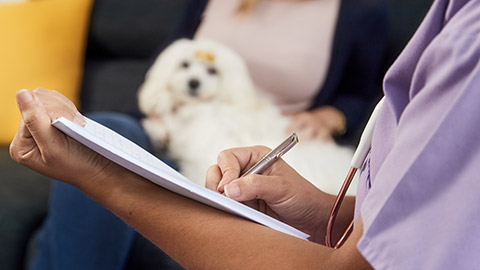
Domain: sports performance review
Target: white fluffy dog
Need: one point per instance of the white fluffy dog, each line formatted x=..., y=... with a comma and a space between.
x=198, y=99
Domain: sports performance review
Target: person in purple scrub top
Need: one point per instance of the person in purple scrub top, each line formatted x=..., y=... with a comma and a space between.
x=417, y=206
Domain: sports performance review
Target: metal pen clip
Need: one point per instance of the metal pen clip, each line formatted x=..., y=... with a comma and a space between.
x=273, y=155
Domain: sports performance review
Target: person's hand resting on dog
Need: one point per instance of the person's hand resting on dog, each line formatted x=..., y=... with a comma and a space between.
x=279, y=192
x=324, y=123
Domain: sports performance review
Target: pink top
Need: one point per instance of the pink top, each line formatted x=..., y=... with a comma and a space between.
x=286, y=45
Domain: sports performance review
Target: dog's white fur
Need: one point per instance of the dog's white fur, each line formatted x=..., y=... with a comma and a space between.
x=223, y=112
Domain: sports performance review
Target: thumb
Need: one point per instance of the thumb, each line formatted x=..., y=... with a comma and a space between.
x=255, y=186
x=35, y=117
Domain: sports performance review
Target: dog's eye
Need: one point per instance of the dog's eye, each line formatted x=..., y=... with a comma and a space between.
x=185, y=64
x=212, y=71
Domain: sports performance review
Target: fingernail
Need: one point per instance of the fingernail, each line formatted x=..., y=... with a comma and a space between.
x=220, y=189
x=232, y=190
x=23, y=96
x=79, y=119
x=220, y=185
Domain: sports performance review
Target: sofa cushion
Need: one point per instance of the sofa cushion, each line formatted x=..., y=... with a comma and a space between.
x=124, y=38
x=42, y=46
x=111, y=85
x=133, y=29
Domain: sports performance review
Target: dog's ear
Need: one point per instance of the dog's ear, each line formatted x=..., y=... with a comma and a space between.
x=239, y=89
x=154, y=96
x=237, y=85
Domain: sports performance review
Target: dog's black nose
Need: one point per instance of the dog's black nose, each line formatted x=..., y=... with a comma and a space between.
x=193, y=84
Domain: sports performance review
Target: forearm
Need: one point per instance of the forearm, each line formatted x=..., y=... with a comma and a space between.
x=198, y=236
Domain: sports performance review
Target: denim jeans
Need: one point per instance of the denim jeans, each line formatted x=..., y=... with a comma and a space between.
x=79, y=233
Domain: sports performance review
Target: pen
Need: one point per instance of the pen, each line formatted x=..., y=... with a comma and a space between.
x=273, y=155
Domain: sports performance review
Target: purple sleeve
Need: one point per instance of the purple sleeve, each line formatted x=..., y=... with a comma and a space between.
x=423, y=209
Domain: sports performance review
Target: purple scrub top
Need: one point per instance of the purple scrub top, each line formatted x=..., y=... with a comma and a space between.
x=419, y=191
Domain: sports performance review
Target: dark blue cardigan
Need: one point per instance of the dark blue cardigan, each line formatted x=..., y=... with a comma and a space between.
x=353, y=80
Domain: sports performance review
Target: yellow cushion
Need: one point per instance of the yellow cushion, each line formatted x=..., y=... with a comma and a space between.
x=42, y=46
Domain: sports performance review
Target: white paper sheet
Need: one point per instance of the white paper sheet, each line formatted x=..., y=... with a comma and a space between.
x=129, y=155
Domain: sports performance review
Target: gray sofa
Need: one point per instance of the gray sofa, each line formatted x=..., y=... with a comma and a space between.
x=123, y=40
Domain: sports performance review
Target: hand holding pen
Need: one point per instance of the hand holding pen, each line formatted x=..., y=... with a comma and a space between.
x=265, y=162
x=273, y=156
x=281, y=192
